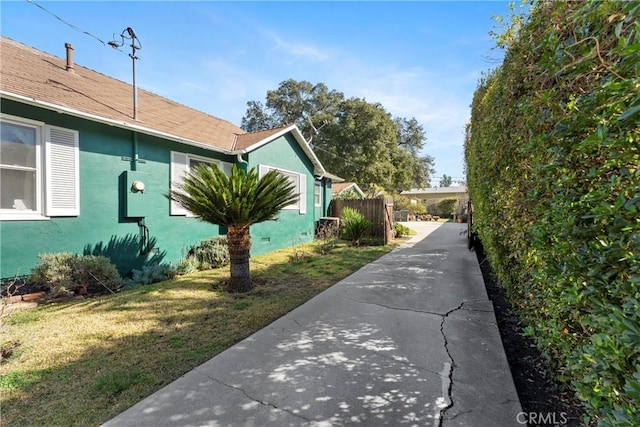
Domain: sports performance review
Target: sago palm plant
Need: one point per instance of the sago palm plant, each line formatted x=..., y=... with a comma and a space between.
x=236, y=201
x=354, y=225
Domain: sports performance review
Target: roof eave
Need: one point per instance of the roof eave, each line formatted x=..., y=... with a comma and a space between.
x=111, y=122
x=356, y=188
x=318, y=169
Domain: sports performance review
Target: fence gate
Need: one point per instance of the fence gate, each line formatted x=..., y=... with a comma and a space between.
x=378, y=211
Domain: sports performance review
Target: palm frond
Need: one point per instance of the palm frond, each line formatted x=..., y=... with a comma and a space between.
x=241, y=199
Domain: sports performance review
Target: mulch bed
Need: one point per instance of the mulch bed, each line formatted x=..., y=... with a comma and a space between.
x=538, y=392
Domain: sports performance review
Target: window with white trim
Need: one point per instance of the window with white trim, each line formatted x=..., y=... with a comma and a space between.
x=181, y=165
x=39, y=173
x=299, y=182
x=317, y=194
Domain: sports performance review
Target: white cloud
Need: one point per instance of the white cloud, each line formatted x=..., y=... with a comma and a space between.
x=297, y=49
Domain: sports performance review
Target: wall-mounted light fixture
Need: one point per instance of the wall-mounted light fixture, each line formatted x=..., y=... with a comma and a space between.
x=137, y=187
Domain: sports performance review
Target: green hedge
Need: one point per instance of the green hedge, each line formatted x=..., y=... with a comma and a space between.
x=553, y=169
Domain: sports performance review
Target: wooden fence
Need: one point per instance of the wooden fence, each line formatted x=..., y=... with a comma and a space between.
x=378, y=211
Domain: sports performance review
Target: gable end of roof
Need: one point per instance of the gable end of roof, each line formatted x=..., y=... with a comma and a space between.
x=252, y=141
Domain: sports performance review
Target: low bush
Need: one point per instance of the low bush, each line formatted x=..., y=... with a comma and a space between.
x=328, y=234
x=211, y=253
x=401, y=229
x=403, y=203
x=96, y=273
x=54, y=272
x=354, y=225
x=186, y=266
x=153, y=273
x=65, y=273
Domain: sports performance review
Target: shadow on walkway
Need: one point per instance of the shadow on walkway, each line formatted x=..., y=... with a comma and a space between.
x=409, y=339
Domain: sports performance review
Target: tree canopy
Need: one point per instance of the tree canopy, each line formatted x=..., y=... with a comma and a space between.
x=294, y=102
x=445, y=181
x=354, y=139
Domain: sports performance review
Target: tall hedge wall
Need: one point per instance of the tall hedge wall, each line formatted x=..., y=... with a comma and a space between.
x=553, y=168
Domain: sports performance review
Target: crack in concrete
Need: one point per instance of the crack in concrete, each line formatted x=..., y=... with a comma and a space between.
x=443, y=410
x=475, y=310
x=390, y=307
x=440, y=418
x=444, y=316
x=468, y=411
x=414, y=310
x=270, y=405
x=384, y=356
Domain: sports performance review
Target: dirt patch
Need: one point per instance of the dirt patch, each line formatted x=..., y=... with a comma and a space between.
x=6, y=350
x=544, y=401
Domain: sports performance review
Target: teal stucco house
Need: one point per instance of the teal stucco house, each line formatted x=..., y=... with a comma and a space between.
x=79, y=174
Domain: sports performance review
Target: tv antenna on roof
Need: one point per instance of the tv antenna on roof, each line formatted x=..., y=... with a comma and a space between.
x=129, y=34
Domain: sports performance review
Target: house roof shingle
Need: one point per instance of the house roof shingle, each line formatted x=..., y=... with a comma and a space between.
x=247, y=140
x=32, y=76
x=39, y=76
x=343, y=186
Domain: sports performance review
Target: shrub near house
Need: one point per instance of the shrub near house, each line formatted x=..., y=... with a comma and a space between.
x=65, y=274
x=354, y=225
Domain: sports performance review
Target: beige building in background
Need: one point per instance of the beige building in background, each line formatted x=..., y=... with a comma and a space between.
x=434, y=195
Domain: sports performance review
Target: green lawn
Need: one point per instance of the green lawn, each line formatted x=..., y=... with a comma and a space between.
x=82, y=362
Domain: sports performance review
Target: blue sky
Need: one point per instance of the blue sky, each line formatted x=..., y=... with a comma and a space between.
x=418, y=59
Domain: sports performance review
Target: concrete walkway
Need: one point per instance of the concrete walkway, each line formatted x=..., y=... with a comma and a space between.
x=410, y=339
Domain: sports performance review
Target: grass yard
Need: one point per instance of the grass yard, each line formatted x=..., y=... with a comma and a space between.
x=83, y=362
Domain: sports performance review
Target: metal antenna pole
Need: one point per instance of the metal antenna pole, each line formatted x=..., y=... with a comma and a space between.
x=135, y=87
x=133, y=60
x=129, y=34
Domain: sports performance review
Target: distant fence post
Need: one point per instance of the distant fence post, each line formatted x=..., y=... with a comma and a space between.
x=389, y=232
x=378, y=211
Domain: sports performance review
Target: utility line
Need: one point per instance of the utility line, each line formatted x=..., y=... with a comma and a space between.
x=315, y=147
x=67, y=23
x=117, y=48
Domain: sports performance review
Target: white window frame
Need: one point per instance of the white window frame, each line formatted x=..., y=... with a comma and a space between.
x=300, y=184
x=180, y=167
x=317, y=194
x=57, y=188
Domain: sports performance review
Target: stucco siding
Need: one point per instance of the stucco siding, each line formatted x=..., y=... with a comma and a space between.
x=292, y=227
x=105, y=225
x=102, y=226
